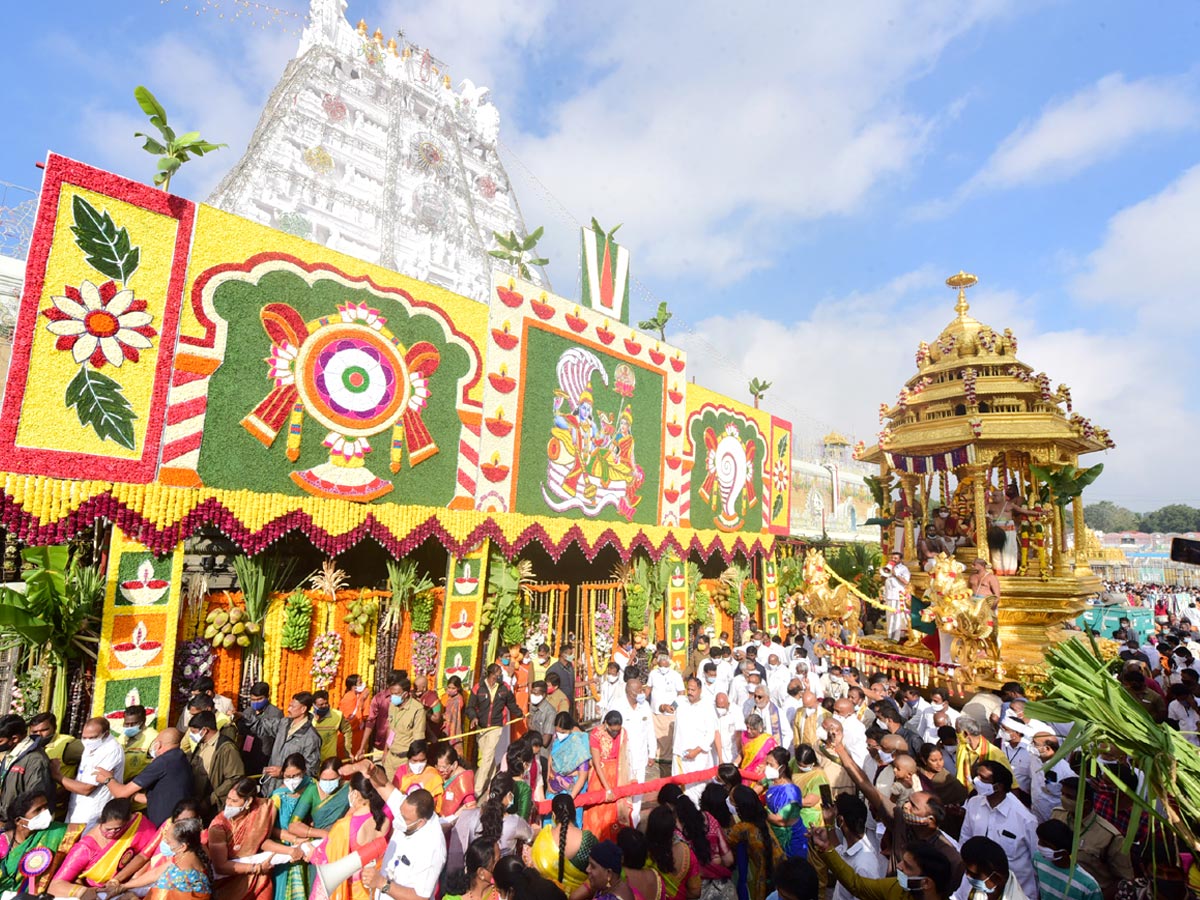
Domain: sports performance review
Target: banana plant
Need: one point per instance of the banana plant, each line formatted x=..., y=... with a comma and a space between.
x=406, y=584
x=518, y=253
x=502, y=609
x=172, y=150
x=659, y=322
x=758, y=389
x=56, y=618
x=1065, y=483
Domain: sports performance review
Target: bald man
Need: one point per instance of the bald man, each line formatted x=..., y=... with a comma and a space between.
x=808, y=719
x=162, y=784
x=854, y=733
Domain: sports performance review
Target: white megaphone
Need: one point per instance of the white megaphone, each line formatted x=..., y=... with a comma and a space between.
x=333, y=874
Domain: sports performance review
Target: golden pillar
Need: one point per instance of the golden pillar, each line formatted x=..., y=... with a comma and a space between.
x=908, y=487
x=1081, y=560
x=980, y=496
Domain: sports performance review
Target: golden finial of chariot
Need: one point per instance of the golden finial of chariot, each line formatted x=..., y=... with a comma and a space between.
x=960, y=282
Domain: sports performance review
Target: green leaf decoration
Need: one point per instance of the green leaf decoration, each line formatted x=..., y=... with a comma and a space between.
x=777, y=506
x=98, y=402
x=150, y=106
x=499, y=254
x=107, y=247
x=783, y=445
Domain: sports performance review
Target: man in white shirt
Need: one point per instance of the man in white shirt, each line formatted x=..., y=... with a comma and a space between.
x=415, y=855
x=610, y=689
x=778, y=678
x=775, y=722
x=666, y=690
x=730, y=723
x=1045, y=785
x=739, y=685
x=912, y=704
x=895, y=592
x=857, y=847
x=725, y=670
x=639, y=729
x=697, y=742
x=939, y=702
x=1015, y=744
x=854, y=733
x=100, y=751
x=1183, y=712
x=995, y=813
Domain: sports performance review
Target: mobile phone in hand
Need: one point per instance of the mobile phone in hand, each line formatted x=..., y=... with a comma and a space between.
x=826, y=797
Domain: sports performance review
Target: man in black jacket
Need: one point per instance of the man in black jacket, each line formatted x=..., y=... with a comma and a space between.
x=486, y=709
x=257, y=725
x=25, y=766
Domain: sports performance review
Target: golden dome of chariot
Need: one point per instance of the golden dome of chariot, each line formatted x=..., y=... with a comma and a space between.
x=835, y=439
x=971, y=388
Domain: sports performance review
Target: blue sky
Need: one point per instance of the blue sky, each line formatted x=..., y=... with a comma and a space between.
x=795, y=181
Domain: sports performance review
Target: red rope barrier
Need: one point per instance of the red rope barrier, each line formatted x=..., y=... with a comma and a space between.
x=595, y=798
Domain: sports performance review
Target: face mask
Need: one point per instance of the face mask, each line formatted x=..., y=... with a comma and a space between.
x=397, y=699
x=329, y=785
x=810, y=711
x=977, y=884
x=822, y=734
x=885, y=758
x=568, y=657
x=805, y=768
x=292, y=783
x=612, y=679
x=165, y=849
x=722, y=711
x=982, y=788
x=131, y=730
x=771, y=772
x=152, y=752
x=914, y=819
x=913, y=883
x=359, y=688
x=232, y=812
x=641, y=698
x=729, y=805
x=838, y=718
x=711, y=679
x=91, y=743
x=412, y=829
x=560, y=737
x=195, y=737
x=504, y=661
x=535, y=699
x=258, y=705
x=1047, y=852
x=321, y=711
x=416, y=767
x=41, y=821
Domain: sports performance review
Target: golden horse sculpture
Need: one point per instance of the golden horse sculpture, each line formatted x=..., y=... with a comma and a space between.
x=829, y=609
x=968, y=619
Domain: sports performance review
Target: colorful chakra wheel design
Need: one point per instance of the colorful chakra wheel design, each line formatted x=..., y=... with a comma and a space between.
x=335, y=108
x=319, y=160
x=427, y=153
x=352, y=379
x=36, y=862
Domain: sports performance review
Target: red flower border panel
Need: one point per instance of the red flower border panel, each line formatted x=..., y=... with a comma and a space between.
x=61, y=171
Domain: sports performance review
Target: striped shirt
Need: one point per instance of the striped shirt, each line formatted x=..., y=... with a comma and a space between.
x=1063, y=884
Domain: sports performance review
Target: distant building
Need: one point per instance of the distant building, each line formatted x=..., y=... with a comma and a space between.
x=364, y=146
x=829, y=495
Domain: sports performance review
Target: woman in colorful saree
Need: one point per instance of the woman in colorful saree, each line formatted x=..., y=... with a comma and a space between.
x=610, y=768
x=671, y=856
x=290, y=880
x=756, y=851
x=785, y=805
x=570, y=759
x=240, y=830
x=604, y=876
x=458, y=783
x=102, y=851
x=152, y=858
x=809, y=777
x=186, y=873
x=561, y=850
x=323, y=802
x=755, y=747
x=30, y=845
x=472, y=878
x=364, y=830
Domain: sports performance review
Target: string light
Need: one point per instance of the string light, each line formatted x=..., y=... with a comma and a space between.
x=251, y=12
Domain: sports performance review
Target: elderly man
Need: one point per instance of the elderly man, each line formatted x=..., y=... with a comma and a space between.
x=697, y=742
x=730, y=724
x=666, y=691
x=639, y=731
x=854, y=733
x=808, y=719
x=895, y=597
x=165, y=781
x=973, y=748
x=774, y=719
x=295, y=734
x=101, y=753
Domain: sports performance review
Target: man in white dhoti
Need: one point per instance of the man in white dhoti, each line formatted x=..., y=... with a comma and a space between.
x=697, y=746
x=895, y=597
x=639, y=731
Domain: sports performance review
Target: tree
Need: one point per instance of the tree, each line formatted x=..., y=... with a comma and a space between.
x=172, y=151
x=518, y=253
x=758, y=389
x=1107, y=516
x=57, y=616
x=659, y=322
x=1173, y=518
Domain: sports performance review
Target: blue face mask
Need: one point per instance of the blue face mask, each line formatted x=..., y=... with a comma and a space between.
x=912, y=883
x=165, y=849
x=397, y=699
x=132, y=730
x=978, y=884
x=321, y=711
x=258, y=705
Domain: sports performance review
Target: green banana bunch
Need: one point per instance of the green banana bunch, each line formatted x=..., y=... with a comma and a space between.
x=297, y=621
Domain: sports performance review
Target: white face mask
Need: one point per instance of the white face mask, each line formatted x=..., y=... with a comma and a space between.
x=641, y=698
x=822, y=734
x=885, y=757
x=41, y=821
x=359, y=688
x=329, y=785
x=1047, y=852
x=292, y=783
x=416, y=767
x=91, y=743
x=771, y=773
x=722, y=711
x=195, y=736
x=612, y=679
x=810, y=711
x=535, y=699
x=232, y=812
x=982, y=788
x=711, y=679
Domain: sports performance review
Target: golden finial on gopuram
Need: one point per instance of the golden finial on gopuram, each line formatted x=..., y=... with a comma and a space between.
x=961, y=282
x=361, y=28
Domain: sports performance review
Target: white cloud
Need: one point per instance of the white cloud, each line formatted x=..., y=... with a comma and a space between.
x=710, y=127
x=1148, y=262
